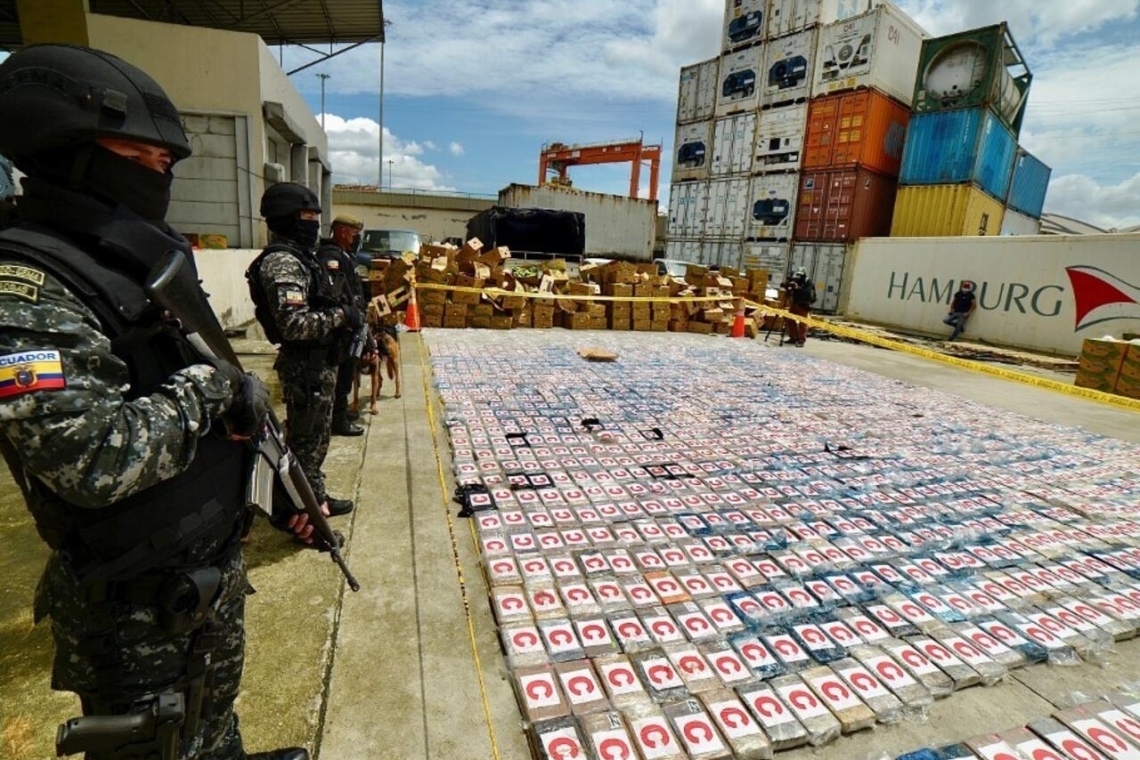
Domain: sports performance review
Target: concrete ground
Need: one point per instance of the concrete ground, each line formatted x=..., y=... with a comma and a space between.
x=410, y=668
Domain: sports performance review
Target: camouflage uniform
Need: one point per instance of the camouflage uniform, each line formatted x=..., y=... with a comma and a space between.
x=68, y=426
x=311, y=326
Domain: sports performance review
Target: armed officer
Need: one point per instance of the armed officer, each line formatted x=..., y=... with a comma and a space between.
x=336, y=255
x=297, y=304
x=110, y=423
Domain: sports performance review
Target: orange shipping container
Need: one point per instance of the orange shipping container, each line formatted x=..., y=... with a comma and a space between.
x=845, y=205
x=862, y=128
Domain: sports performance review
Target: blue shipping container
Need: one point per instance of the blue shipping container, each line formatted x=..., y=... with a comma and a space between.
x=953, y=147
x=1030, y=182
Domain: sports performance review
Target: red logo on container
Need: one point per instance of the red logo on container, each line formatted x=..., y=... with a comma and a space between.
x=1102, y=297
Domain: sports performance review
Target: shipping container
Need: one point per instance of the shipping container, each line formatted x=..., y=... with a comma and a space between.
x=862, y=128
x=770, y=256
x=718, y=253
x=688, y=206
x=692, y=151
x=789, y=64
x=683, y=250
x=878, y=49
x=615, y=224
x=844, y=205
x=728, y=207
x=771, y=208
x=981, y=68
x=745, y=22
x=790, y=16
x=951, y=147
x=824, y=263
x=739, y=89
x=1029, y=185
x=780, y=138
x=1016, y=223
x=733, y=140
x=696, y=100
x=946, y=211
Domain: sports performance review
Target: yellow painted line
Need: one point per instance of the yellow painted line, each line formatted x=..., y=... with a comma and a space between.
x=1057, y=386
x=455, y=553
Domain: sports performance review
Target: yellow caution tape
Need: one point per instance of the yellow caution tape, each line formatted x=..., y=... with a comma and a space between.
x=954, y=361
x=499, y=293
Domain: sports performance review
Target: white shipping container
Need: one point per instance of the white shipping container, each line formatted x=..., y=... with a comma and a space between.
x=739, y=88
x=692, y=151
x=780, y=134
x=824, y=263
x=734, y=138
x=688, y=205
x=728, y=208
x=683, y=250
x=696, y=99
x=771, y=207
x=1016, y=223
x=745, y=23
x=770, y=256
x=790, y=16
x=615, y=224
x=789, y=66
x=879, y=49
x=718, y=253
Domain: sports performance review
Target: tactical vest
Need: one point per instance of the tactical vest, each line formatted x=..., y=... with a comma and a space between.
x=321, y=295
x=188, y=519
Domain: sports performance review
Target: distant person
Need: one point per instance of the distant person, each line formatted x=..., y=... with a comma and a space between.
x=961, y=307
x=801, y=296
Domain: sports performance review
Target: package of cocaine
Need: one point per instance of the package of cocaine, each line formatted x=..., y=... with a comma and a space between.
x=652, y=733
x=1099, y=628
x=913, y=695
x=1088, y=725
x=558, y=739
x=693, y=621
x=539, y=694
x=659, y=676
x=787, y=650
x=1089, y=646
x=869, y=631
x=545, y=601
x=843, y=702
x=609, y=594
x=895, y=624
x=727, y=664
x=1029, y=744
x=738, y=728
x=950, y=663
x=812, y=638
x=783, y=729
x=911, y=611
x=990, y=646
x=1126, y=724
x=1061, y=738
x=691, y=665
x=886, y=706
x=661, y=625
x=638, y=591
x=722, y=615
x=523, y=645
x=999, y=629
x=581, y=688
x=991, y=747
x=560, y=639
x=668, y=589
x=938, y=683
x=510, y=605
x=578, y=599
x=607, y=735
x=822, y=727
x=696, y=731
x=595, y=636
x=952, y=752
x=620, y=681
x=757, y=656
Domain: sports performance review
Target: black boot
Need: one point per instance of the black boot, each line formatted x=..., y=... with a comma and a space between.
x=341, y=426
x=338, y=507
x=289, y=753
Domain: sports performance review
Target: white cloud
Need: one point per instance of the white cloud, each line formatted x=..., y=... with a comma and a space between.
x=354, y=147
x=430, y=145
x=456, y=149
x=1108, y=206
x=1040, y=22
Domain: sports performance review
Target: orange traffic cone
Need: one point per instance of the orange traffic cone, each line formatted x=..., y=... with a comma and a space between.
x=738, y=325
x=412, y=315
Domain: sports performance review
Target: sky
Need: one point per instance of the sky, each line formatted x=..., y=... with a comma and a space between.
x=474, y=88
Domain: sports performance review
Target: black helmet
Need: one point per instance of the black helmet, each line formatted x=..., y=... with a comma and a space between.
x=286, y=199
x=56, y=96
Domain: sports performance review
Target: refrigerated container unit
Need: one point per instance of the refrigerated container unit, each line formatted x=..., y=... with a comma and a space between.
x=780, y=138
x=734, y=138
x=852, y=129
x=770, y=256
x=745, y=23
x=1029, y=185
x=878, y=49
x=739, y=89
x=688, y=206
x=946, y=211
x=790, y=16
x=683, y=249
x=824, y=263
x=1017, y=223
x=966, y=145
x=696, y=97
x=692, y=151
x=771, y=207
x=789, y=64
x=844, y=205
x=718, y=253
x=981, y=68
x=728, y=208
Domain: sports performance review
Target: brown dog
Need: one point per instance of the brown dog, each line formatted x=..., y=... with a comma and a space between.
x=387, y=350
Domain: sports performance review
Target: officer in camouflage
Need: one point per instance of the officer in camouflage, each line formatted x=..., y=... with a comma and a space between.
x=298, y=306
x=126, y=445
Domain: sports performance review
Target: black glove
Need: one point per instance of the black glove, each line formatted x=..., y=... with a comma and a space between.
x=232, y=374
x=249, y=407
x=352, y=318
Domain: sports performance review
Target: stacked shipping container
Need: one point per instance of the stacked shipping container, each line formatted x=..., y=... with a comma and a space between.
x=958, y=169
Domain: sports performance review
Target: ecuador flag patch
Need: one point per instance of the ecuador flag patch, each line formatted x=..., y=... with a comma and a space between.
x=27, y=371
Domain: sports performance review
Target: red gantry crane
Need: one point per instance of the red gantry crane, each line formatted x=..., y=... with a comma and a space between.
x=557, y=157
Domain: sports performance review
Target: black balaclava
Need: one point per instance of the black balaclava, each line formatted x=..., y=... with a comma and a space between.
x=93, y=170
x=303, y=232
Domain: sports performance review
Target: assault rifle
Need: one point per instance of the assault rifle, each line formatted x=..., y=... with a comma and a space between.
x=173, y=286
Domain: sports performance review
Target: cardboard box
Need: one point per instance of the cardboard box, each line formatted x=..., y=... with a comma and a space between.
x=502, y=322
x=430, y=297
x=1100, y=364
x=479, y=323
x=523, y=318
x=432, y=310
x=455, y=322
x=643, y=290
x=577, y=321
x=469, y=299
x=1131, y=366
x=598, y=323
x=642, y=325
x=434, y=251
x=481, y=310
x=580, y=289
x=641, y=311
x=472, y=248
x=435, y=320
x=620, y=290
x=619, y=323
x=659, y=326
x=455, y=310
x=1129, y=387
x=700, y=328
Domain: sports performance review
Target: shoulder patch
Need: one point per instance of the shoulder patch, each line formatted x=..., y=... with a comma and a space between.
x=27, y=371
x=18, y=272
x=20, y=289
x=332, y=264
x=294, y=298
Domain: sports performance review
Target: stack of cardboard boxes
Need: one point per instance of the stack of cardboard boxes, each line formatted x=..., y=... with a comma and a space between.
x=1110, y=366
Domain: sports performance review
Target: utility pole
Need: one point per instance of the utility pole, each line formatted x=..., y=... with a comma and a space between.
x=391, y=161
x=323, y=77
x=380, y=152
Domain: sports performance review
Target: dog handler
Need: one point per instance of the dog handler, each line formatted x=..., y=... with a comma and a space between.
x=336, y=255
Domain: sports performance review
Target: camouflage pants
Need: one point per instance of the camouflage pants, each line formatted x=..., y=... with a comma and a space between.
x=308, y=395
x=145, y=659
